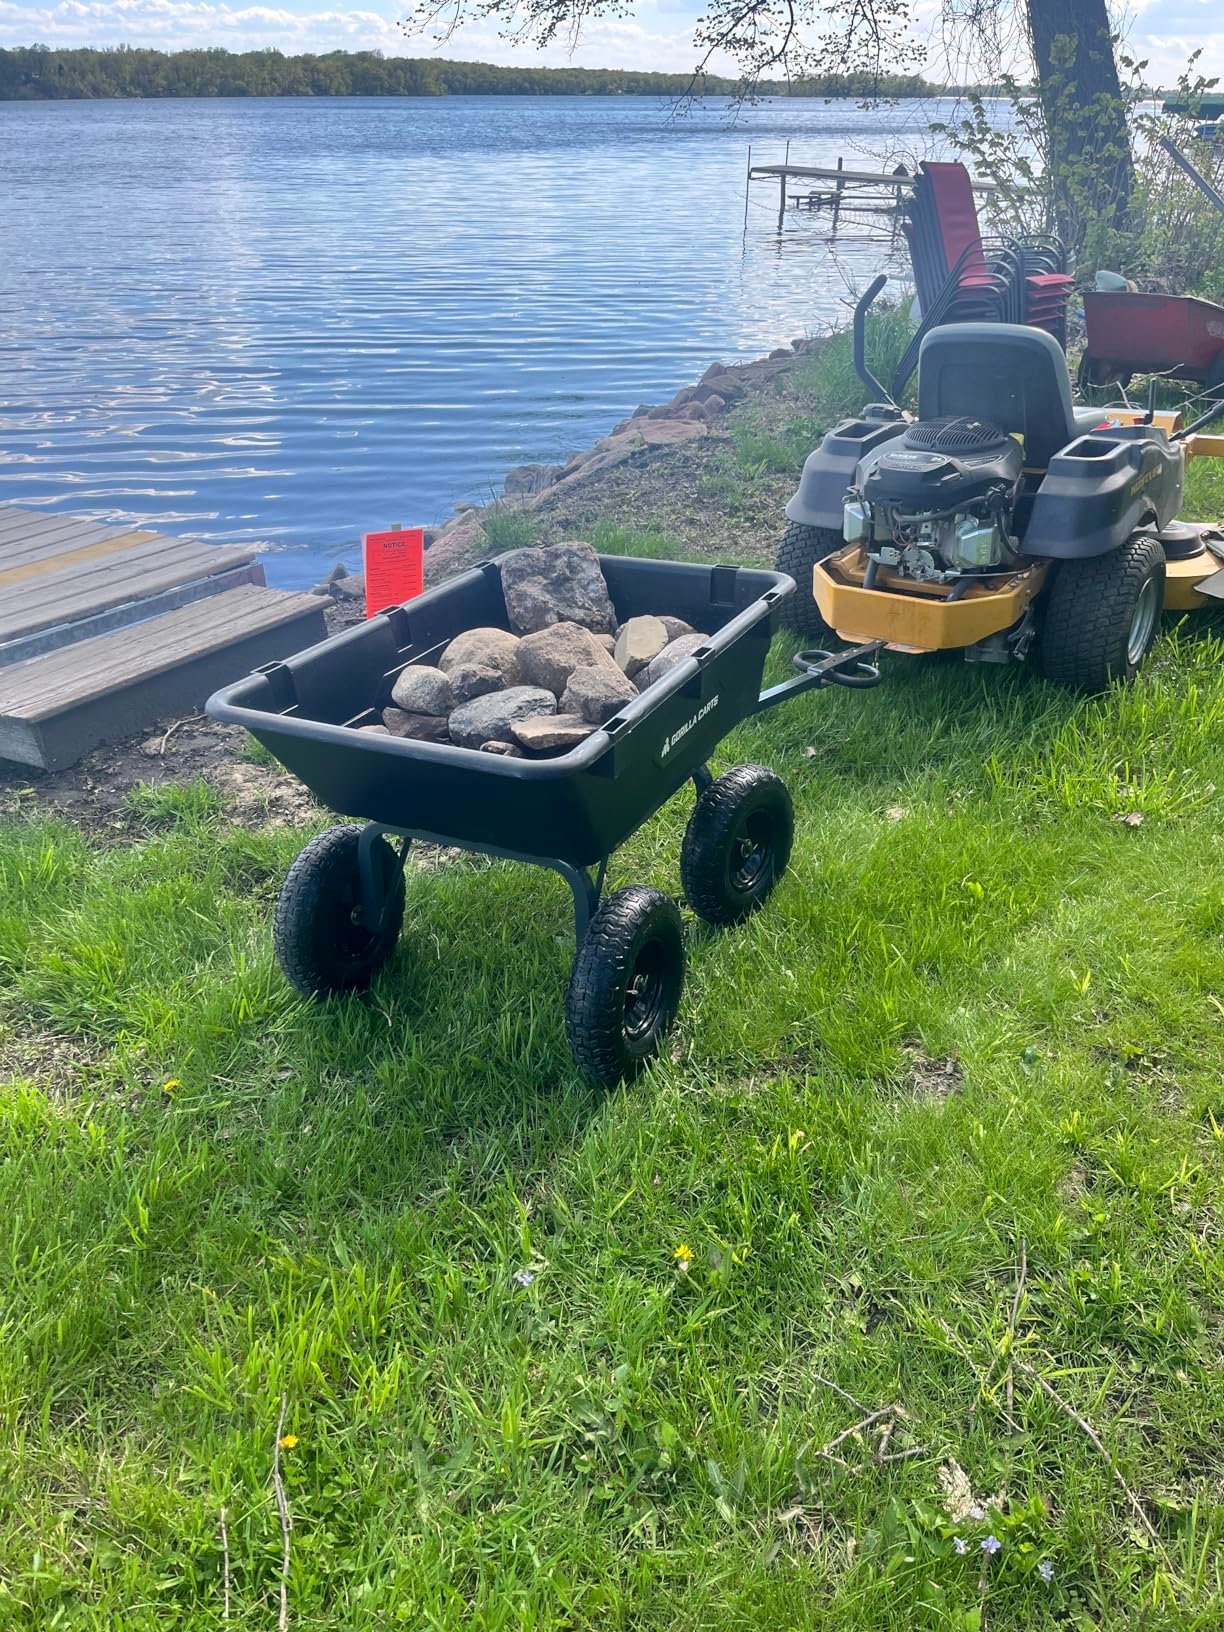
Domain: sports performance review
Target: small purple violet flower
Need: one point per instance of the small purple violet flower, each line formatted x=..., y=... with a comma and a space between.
x=1046, y=1570
x=523, y=1278
x=976, y=1512
x=992, y=1545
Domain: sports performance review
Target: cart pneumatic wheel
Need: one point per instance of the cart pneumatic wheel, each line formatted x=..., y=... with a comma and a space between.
x=737, y=844
x=1102, y=615
x=625, y=988
x=321, y=944
x=798, y=553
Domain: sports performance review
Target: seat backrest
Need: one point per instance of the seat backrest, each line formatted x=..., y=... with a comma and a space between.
x=951, y=193
x=1009, y=375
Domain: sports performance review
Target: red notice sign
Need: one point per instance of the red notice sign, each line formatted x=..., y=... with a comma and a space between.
x=394, y=567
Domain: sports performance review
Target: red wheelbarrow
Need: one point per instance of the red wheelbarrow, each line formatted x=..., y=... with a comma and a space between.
x=1176, y=335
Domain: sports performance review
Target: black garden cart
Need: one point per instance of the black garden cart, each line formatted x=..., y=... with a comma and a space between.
x=341, y=909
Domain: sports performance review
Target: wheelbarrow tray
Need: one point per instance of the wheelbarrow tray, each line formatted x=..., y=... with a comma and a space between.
x=576, y=807
x=1179, y=335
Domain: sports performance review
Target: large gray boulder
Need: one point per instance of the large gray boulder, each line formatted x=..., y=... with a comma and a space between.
x=674, y=652
x=549, y=656
x=419, y=689
x=556, y=583
x=494, y=648
x=490, y=718
x=597, y=694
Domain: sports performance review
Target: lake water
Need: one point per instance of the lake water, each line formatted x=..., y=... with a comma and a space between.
x=290, y=321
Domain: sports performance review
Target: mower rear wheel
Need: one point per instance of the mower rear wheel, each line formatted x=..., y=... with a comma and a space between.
x=625, y=987
x=798, y=553
x=1102, y=615
x=321, y=942
x=737, y=844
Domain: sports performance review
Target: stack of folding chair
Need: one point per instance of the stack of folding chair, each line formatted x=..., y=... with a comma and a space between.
x=952, y=249
x=959, y=278
x=962, y=277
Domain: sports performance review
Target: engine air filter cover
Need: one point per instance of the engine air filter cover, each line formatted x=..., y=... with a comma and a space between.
x=940, y=464
x=957, y=436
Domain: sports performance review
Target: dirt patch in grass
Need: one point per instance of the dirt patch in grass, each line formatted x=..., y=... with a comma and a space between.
x=97, y=794
x=61, y=1066
x=928, y=1078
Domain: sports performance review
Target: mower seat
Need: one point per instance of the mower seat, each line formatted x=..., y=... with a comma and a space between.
x=1010, y=375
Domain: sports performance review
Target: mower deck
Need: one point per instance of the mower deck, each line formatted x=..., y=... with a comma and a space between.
x=928, y=617
x=920, y=617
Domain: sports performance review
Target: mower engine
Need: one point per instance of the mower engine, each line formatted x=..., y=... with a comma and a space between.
x=938, y=502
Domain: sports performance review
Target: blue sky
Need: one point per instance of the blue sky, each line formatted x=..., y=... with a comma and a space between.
x=659, y=36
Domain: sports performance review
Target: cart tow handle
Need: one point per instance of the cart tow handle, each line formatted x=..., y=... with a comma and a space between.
x=853, y=668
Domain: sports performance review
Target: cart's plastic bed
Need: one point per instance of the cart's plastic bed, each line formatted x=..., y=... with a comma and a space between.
x=577, y=807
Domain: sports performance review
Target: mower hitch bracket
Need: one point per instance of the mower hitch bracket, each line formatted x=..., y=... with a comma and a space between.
x=852, y=668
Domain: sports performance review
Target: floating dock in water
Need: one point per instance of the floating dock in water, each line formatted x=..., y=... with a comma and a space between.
x=104, y=630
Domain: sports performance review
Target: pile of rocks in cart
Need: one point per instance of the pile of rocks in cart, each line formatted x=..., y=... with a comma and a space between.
x=561, y=671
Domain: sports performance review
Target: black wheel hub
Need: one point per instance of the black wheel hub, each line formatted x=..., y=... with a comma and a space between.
x=750, y=852
x=645, y=992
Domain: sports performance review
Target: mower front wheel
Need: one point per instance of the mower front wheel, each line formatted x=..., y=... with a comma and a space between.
x=1102, y=615
x=801, y=548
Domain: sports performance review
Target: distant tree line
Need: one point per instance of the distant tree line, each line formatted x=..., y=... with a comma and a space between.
x=29, y=73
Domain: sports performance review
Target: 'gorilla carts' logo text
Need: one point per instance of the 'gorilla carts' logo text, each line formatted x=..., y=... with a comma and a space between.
x=682, y=731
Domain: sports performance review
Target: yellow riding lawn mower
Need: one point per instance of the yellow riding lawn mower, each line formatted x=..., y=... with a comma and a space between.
x=1001, y=519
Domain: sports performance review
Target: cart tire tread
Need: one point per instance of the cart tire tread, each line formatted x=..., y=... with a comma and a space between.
x=319, y=948
x=737, y=844
x=635, y=927
x=798, y=553
x=1088, y=612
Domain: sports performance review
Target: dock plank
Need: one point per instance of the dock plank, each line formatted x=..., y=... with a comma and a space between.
x=23, y=524
x=30, y=560
x=55, y=708
x=62, y=594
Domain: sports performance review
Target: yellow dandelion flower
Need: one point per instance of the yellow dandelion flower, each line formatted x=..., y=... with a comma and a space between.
x=287, y=1442
x=171, y=1085
x=683, y=1256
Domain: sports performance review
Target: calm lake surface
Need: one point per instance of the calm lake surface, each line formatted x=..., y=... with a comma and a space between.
x=290, y=321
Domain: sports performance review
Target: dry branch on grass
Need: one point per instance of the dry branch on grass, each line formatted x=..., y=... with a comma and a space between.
x=1021, y=1277
x=225, y=1569
x=1086, y=1428
x=887, y=1416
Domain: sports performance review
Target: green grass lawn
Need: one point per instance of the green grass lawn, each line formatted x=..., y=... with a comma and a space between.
x=556, y=1359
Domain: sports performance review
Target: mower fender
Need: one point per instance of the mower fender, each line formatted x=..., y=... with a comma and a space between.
x=1101, y=488
x=829, y=470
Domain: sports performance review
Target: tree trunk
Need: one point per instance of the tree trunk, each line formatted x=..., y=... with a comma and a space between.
x=1089, y=157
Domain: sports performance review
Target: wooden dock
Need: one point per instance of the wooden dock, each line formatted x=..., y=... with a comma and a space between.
x=104, y=630
x=838, y=188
